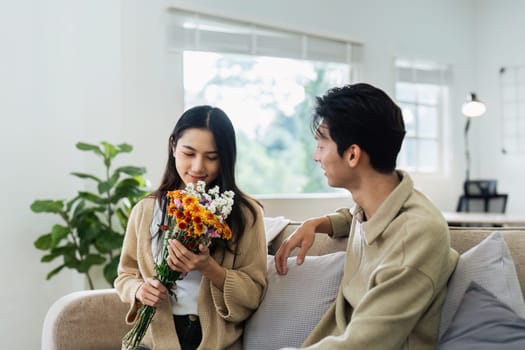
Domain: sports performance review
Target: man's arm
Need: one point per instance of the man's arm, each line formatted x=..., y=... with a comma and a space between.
x=303, y=238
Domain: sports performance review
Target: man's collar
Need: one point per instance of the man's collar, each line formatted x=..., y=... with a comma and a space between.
x=387, y=211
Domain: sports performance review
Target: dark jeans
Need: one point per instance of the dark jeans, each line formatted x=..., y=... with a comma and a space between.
x=189, y=332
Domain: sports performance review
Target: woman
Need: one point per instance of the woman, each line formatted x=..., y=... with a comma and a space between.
x=223, y=286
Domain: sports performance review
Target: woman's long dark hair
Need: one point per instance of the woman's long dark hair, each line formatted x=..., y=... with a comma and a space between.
x=218, y=123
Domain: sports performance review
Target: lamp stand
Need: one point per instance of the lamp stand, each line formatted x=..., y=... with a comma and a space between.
x=467, y=152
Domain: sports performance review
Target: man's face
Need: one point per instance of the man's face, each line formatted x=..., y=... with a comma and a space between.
x=335, y=167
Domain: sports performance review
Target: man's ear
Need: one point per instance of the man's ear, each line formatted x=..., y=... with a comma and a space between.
x=353, y=155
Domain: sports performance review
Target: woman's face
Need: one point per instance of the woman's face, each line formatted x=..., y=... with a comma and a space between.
x=196, y=156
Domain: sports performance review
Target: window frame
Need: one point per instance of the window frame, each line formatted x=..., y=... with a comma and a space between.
x=351, y=56
x=419, y=72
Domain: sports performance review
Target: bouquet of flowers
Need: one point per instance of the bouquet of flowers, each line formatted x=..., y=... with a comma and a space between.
x=194, y=217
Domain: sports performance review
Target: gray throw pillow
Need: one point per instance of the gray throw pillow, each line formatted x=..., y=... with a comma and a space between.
x=490, y=265
x=483, y=322
x=294, y=303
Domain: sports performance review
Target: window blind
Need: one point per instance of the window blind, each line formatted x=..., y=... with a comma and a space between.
x=423, y=72
x=195, y=31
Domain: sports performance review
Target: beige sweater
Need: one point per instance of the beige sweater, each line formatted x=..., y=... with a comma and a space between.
x=222, y=314
x=394, y=284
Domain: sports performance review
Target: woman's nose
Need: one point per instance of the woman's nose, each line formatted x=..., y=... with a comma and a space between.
x=197, y=164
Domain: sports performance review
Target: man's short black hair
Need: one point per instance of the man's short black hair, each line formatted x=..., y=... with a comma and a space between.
x=364, y=115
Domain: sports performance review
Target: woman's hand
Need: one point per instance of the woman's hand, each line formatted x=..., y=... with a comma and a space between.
x=183, y=260
x=152, y=293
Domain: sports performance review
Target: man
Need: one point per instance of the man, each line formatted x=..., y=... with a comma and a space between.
x=399, y=257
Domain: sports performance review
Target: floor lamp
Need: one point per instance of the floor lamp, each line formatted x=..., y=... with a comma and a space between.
x=472, y=108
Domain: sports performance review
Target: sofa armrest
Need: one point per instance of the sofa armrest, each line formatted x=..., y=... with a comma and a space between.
x=323, y=243
x=91, y=319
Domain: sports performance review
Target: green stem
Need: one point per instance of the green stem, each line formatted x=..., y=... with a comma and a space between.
x=90, y=281
x=108, y=196
x=133, y=338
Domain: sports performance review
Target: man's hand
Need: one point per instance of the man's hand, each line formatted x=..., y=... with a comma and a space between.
x=302, y=238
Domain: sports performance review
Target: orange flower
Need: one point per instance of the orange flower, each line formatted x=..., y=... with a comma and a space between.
x=189, y=200
x=179, y=215
x=182, y=225
x=172, y=210
x=199, y=229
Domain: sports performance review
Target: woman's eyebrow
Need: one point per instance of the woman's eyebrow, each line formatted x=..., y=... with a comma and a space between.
x=190, y=148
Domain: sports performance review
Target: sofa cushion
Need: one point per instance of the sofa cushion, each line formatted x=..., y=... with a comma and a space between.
x=481, y=322
x=294, y=303
x=490, y=265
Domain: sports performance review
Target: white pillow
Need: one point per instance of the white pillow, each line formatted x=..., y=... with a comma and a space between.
x=294, y=303
x=490, y=265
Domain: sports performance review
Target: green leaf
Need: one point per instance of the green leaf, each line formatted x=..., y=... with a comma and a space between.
x=71, y=260
x=109, y=241
x=58, y=232
x=86, y=211
x=71, y=203
x=131, y=170
x=50, y=257
x=68, y=250
x=110, y=151
x=89, y=147
x=127, y=188
x=47, y=206
x=103, y=187
x=123, y=217
x=106, y=186
x=78, y=209
x=86, y=176
x=47, y=258
x=89, y=228
x=110, y=270
x=91, y=197
x=124, y=148
x=43, y=242
x=54, y=272
x=90, y=260
x=141, y=180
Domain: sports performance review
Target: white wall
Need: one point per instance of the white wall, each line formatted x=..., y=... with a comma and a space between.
x=93, y=70
x=61, y=83
x=500, y=26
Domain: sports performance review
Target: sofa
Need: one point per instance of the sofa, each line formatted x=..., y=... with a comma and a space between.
x=94, y=319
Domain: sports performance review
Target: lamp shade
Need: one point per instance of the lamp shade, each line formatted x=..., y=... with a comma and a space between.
x=473, y=107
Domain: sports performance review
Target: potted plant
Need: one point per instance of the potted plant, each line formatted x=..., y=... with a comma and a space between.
x=93, y=224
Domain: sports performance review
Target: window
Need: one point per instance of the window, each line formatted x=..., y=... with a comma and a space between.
x=266, y=80
x=512, y=91
x=422, y=93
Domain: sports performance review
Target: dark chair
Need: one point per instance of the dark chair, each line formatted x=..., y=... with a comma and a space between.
x=482, y=196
